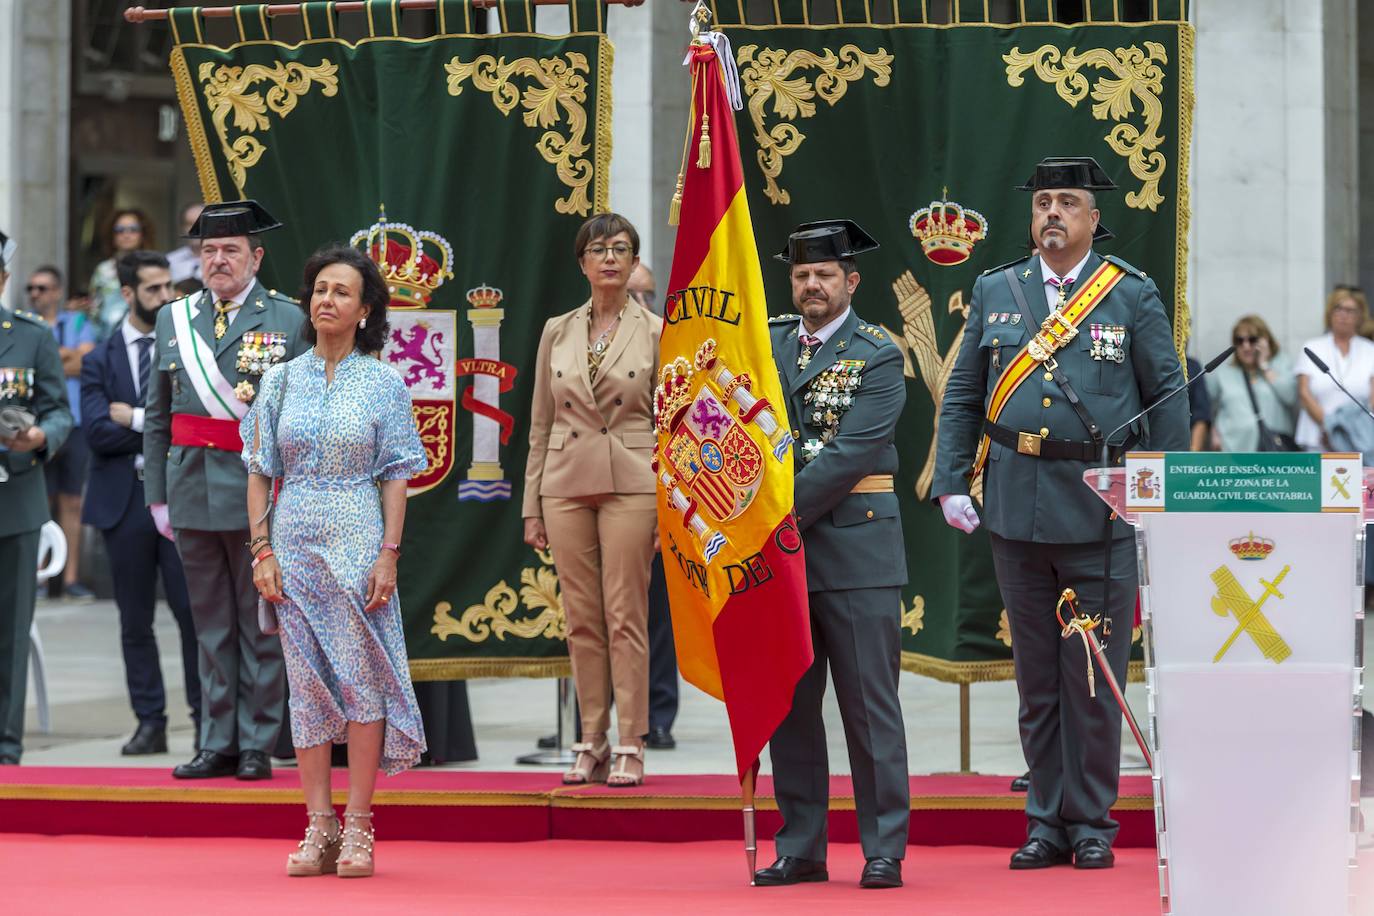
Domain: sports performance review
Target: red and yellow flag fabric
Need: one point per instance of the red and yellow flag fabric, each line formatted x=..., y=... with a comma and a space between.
x=731, y=549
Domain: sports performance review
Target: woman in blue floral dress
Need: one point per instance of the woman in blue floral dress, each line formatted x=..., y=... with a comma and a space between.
x=335, y=425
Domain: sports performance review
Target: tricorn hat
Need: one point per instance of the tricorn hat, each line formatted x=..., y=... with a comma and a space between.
x=1069, y=172
x=232, y=218
x=825, y=240
x=8, y=247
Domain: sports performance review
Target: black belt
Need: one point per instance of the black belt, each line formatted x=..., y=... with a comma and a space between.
x=1038, y=446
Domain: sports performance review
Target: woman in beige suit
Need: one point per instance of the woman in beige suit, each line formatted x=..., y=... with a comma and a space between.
x=589, y=494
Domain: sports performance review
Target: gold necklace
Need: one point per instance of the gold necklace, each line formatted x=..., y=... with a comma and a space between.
x=596, y=350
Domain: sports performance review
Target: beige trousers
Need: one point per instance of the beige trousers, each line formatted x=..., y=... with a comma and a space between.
x=602, y=548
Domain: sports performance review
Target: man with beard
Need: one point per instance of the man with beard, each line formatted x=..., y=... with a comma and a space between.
x=1059, y=349
x=114, y=390
x=842, y=379
x=211, y=352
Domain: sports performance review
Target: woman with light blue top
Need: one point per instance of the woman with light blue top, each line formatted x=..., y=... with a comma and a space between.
x=335, y=425
x=1235, y=426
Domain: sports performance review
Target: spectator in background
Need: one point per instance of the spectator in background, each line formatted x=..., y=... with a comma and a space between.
x=130, y=230
x=185, y=261
x=1350, y=358
x=76, y=336
x=1272, y=389
x=1199, y=410
x=114, y=388
x=663, y=683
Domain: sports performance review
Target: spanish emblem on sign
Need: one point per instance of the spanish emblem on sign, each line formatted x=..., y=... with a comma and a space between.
x=423, y=343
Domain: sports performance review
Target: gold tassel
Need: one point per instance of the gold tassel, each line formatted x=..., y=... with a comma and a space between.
x=675, y=208
x=704, y=147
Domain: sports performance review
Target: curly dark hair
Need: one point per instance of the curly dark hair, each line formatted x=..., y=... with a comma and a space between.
x=375, y=296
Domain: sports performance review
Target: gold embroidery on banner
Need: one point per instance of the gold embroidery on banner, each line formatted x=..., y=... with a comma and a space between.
x=496, y=615
x=558, y=83
x=227, y=94
x=915, y=618
x=431, y=421
x=1004, y=629
x=1136, y=76
x=932, y=366
x=768, y=74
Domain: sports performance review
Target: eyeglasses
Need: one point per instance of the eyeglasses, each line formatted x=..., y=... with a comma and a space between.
x=1344, y=288
x=620, y=250
x=39, y=288
x=1240, y=339
x=127, y=230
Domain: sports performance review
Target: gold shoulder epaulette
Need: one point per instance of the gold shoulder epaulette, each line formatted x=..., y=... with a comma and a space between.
x=873, y=331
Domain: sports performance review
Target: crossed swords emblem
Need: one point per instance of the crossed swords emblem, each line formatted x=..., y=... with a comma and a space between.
x=1232, y=599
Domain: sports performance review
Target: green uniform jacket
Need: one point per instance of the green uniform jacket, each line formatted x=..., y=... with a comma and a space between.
x=205, y=489
x=852, y=540
x=26, y=343
x=1026, y=498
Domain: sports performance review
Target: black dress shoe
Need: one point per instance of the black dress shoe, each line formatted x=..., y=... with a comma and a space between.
x=660, y=739
x=791, y=870
x=881, y=871
x=1038, y=853
x=547, y=743
x=254, y=765
x=1093, y=853
x=149, y=738
x=1021, y=783
x=206, y=765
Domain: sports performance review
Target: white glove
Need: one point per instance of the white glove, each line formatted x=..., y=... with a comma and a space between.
x=959, y=513
x=162, y=519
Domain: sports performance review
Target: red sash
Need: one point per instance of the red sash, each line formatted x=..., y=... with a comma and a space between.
x=206, y=432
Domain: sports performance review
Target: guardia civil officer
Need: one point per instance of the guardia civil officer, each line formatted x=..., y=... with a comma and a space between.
x=211, y=351
x=32, y=385
x=1049, y=531
x=842, y=379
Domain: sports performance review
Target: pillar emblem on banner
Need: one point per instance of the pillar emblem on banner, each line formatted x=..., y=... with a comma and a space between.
x=491, y=426
x=423, y=342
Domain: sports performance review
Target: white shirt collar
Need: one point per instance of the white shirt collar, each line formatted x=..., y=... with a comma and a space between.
x=826, y=331
x=237, y=299
x=1046, y=273
x=131, y=333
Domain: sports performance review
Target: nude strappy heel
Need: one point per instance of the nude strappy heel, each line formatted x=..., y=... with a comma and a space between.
x=355, y=846
x=318, y=853
x=622, y=777
x=593, y=761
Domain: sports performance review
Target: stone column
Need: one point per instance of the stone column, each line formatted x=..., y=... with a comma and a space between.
x=1275, y=172
x=35, y=114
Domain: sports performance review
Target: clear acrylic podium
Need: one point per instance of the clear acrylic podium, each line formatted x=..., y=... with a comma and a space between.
x=1252, y=605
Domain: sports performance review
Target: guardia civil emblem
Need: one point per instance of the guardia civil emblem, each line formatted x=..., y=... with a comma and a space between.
x=708, y=458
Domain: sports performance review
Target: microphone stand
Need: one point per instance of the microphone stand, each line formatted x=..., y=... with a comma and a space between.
x=1326, y=370
x=1212, y=364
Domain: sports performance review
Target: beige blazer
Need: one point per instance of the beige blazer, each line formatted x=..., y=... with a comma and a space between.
x=589, y=438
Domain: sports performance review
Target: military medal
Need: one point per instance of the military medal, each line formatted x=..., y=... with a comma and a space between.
x=811, y=449
x=221, y=320
x=244, y=391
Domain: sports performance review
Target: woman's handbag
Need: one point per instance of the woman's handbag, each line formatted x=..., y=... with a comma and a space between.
x=1269, y=441
x=267, y=613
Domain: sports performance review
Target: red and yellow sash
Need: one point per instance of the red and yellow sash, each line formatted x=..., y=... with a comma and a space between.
x=1058, y=329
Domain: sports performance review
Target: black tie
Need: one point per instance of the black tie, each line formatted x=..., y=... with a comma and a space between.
x=145, y=366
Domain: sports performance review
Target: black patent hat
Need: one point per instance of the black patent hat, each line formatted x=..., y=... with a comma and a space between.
x=825, y=240
x=8, y=248
x=230, y=219
x=1069, y=172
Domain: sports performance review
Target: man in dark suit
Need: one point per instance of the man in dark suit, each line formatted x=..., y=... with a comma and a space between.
x=114, y=389
x=843, y=381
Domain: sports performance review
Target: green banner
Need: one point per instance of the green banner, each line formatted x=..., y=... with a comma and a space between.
x=919, y=132
x=1244, y=482
x=411, y=148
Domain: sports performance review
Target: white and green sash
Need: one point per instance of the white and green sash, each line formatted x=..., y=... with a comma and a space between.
x=198, y=358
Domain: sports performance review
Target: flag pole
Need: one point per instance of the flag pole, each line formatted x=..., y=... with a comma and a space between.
x=751, y=846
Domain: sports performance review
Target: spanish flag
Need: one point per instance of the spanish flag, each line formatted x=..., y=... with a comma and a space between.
x=731, y=548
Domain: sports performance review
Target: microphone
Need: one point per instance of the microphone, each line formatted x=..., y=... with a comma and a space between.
x=1217, y=360
x=1326, y=370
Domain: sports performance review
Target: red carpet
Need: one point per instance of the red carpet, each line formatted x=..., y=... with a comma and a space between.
x=470, y=806
x=142, y=876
